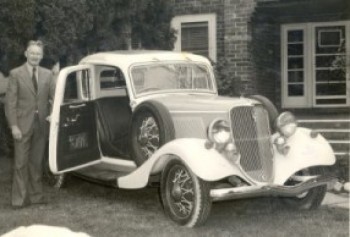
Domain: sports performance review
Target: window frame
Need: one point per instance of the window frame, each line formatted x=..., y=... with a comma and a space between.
x=210, y=18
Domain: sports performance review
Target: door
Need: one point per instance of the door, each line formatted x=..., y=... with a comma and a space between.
x=331, y=65
x=73, y=131
x=315, y=65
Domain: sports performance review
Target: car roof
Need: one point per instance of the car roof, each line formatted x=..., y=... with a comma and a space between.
x=129, y=57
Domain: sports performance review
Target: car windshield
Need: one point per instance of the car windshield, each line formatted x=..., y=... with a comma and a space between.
x=174, y=77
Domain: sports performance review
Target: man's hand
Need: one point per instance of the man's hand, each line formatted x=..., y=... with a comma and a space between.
x=16, y=133
x=48, y=118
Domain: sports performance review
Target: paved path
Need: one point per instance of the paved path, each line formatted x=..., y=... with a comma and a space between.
x=337, y=200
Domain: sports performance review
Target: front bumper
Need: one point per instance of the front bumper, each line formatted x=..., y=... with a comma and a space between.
x=269, y=190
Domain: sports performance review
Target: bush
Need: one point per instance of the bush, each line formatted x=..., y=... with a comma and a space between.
x=224, y=79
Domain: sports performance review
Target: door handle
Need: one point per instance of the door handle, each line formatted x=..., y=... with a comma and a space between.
x=74, y=119
x=77, y=106
x=70, y=120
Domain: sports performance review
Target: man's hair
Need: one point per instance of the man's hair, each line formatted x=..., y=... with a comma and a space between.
x=38, y=43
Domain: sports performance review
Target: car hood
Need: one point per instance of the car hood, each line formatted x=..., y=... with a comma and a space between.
x=201, y=103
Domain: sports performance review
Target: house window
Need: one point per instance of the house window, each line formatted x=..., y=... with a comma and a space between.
x=196, y=34
x=315, y=65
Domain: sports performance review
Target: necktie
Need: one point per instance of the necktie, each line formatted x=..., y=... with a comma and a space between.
x=35, y=82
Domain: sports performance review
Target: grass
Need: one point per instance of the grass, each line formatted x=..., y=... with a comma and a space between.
x=106, y=212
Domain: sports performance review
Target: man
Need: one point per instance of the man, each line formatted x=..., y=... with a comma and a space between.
x=30, y=87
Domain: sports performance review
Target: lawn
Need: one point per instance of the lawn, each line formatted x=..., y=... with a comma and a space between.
x=106, y=212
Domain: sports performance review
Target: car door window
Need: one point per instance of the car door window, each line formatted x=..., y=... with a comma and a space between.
x=77, y=87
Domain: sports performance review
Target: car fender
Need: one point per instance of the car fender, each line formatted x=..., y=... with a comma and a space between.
x=208, y=164
x=304, y=152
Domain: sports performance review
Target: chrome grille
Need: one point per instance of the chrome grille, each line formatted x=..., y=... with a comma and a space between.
x=250, y=129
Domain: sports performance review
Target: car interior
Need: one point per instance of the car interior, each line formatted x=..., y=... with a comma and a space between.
x=113, y=112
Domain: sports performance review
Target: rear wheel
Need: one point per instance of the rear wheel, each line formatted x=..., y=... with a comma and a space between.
x=310, y=199
x=56, y=181
x=185, y=197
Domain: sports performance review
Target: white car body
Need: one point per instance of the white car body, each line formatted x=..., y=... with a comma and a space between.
x=207, y=163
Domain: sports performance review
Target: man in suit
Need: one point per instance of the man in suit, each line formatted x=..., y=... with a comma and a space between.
x=30, y=87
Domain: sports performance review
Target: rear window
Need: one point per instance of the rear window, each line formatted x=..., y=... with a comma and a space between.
x=111, y=79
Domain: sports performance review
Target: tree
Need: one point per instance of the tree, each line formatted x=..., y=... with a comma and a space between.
x=151, y=24
x=63, y=24
x=17, y=24
x=71, y=29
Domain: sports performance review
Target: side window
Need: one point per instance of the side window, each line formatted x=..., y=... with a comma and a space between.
x=77, y=87
x=71, y=89
x=111, y=78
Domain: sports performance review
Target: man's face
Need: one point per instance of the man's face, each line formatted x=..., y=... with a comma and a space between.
x=34, y=54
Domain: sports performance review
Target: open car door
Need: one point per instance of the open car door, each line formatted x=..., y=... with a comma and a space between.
x=73, y=133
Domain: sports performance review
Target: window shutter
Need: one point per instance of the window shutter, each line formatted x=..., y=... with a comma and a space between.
x=194, y=38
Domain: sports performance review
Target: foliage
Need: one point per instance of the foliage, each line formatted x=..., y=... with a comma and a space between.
x=17, y=24
x=73, y=28
x=225, y=82
x=62, y=24
x=155, y=13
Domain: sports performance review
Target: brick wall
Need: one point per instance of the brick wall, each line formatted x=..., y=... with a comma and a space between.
x=233, y=36
x=237, y=44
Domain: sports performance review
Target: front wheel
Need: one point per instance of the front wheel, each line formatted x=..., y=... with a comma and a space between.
x=310, y=199
x=185, y=197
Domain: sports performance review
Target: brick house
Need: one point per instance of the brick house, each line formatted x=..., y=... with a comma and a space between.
x=295, y=52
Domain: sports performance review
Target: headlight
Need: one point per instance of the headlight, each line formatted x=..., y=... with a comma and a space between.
x=286, y=124
x=219, y=131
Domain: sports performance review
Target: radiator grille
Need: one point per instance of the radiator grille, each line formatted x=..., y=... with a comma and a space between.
x=250, y=129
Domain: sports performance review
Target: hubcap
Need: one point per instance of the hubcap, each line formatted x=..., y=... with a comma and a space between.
x=176, y=193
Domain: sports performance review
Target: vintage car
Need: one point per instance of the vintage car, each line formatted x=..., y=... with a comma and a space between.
x=129, y=118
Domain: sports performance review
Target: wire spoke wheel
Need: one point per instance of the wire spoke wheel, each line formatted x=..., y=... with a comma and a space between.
x=181, y=191
x=148, y=136
x=151, y=128
x=185, y=197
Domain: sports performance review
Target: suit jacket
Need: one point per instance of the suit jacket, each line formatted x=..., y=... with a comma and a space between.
x=22, y=103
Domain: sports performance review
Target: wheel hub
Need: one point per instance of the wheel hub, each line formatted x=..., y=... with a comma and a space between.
x=143, y=140
x=176, y=192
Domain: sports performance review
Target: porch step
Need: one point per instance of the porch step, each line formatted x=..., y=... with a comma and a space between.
x=340, y=124
x=335, y=134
